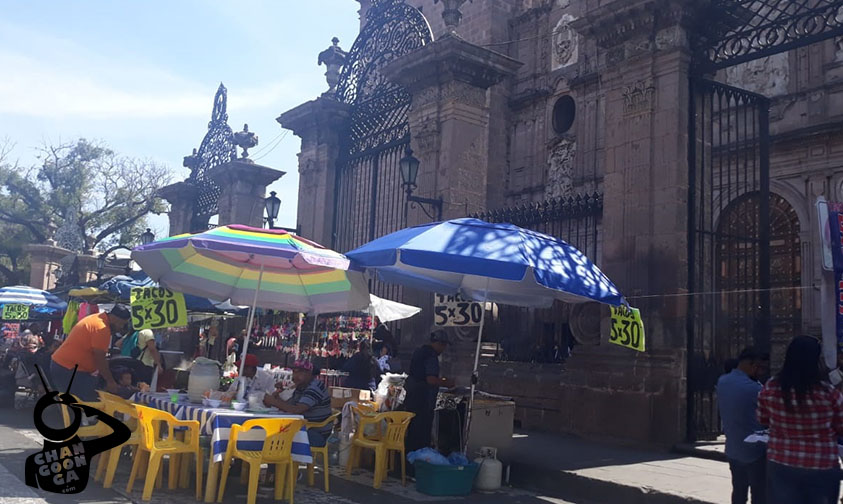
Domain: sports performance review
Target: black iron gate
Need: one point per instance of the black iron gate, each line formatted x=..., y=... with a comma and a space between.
x=369, y=200
x=728, y=264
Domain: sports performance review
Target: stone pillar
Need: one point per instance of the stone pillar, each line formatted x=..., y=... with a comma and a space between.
x=243, y=189
x=182, y=198
x=645, y=59
x=319, y=124
x=449, y=118
x=43, y=260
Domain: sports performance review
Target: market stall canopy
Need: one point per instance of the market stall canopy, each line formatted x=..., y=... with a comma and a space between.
x=287, y=272
x=388, y=311
x=120, y=287
x=42, y=305
x=482, y=261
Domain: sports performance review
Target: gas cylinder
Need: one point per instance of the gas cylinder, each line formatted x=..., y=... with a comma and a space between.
x=489, y=475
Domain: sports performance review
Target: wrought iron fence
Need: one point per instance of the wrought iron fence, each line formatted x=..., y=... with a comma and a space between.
x=544, y=336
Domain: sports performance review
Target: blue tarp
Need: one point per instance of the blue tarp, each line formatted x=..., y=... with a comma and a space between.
x=121, y=287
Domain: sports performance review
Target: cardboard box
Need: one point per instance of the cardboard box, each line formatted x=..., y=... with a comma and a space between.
x=342, y=395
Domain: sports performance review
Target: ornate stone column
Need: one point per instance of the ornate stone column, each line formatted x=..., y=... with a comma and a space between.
x=449, y=118
x=645, y=61
x=43, y=260
x=243, y=189
x=318, y=123
x=182, y=198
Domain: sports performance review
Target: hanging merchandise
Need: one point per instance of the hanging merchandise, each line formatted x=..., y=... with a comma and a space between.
x=71, y=316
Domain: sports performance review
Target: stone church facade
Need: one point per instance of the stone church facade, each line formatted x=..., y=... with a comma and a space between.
x=584, y=106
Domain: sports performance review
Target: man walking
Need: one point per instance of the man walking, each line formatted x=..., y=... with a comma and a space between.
x=737, y=398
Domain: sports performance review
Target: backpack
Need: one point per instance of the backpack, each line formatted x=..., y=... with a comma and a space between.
x=130, y=346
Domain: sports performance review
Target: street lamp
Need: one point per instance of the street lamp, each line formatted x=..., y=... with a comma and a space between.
x=147, y=237
x=273, y=205
x=409, y=168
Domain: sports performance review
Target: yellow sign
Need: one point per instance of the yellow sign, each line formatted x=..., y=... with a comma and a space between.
x=156, y=308
x=15, y=312
x=627, y=328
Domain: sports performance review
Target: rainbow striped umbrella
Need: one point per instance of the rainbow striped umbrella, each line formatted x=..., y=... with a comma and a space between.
x=257, y=267
x=271, y=269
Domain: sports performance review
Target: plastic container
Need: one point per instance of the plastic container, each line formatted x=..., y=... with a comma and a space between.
x=445, y=480
x=204, y=375
x=490, y=472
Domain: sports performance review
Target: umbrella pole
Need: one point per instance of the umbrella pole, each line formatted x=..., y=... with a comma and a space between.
x=474, y=373
x=241, y=390
x=298, y=337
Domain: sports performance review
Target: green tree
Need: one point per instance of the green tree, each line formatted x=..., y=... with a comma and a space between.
x=83, y=188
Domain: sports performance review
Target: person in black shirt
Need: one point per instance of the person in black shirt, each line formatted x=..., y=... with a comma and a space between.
x=362, y=368
x=383, y=335
x=422, y=387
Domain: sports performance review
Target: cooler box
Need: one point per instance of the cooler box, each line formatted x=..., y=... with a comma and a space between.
x=445, y=480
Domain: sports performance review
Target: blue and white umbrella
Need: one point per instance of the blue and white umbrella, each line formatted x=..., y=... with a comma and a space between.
x=42, y=304
x=482, y=261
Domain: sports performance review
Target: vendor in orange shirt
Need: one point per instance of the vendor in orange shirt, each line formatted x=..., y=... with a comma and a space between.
x=86, y=346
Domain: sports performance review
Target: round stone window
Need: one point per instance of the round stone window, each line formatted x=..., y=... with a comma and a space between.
x=564, y=113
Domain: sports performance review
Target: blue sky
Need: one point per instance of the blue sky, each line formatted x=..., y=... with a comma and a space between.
x=141, y=76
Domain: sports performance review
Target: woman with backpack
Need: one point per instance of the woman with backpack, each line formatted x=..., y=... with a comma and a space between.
x=140, y=345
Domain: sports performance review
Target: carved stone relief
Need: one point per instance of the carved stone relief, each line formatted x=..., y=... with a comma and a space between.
x=585, y=322
x=638, y=98
x=565, y=43
x=767, y=76
x=560, y=171
x=838, y=47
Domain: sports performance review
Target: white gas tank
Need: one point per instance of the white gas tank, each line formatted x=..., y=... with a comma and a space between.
x=491, y=469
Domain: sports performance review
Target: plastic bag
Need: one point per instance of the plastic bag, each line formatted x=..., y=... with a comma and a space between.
x=390, y=392
x=458, y=459
x=428, y=455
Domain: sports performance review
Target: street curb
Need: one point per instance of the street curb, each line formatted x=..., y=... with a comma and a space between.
x=571, y=486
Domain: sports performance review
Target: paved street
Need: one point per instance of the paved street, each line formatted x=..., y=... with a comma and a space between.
x=18, y=438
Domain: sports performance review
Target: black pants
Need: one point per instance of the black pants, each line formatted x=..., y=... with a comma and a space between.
x=749, y=475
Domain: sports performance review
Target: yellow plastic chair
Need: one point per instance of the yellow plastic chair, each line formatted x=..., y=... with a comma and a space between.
x=397, y=423
x=155, y=446
x=322, y=450
x=116, y=405
x=277, y=449
x=96, y=430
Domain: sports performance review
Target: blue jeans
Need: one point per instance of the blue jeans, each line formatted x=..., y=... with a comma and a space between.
x=788, y=485
x=316, y=438
x=746, y=476
x=84, y=384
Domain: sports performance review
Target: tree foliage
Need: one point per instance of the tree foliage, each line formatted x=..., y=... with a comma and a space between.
x=85, y=186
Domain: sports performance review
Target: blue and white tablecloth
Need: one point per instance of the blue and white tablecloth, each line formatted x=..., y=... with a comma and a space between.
x=217, y=422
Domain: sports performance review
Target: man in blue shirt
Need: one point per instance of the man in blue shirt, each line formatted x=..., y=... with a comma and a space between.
x=737, y=397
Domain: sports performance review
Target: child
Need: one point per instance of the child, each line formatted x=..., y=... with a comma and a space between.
x=124, y=381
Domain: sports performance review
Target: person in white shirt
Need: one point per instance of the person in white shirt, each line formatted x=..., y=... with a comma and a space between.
x=255, y=379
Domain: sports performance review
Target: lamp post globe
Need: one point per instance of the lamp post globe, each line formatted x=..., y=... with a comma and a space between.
x=409, y=166
x=273, y=205
x=147, y=237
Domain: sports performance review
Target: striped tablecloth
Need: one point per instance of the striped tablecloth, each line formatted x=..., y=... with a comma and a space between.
x=217, y=422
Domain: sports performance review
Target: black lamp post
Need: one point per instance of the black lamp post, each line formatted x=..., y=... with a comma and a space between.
x=147, y=237
x=273, y=205
x=409, y=167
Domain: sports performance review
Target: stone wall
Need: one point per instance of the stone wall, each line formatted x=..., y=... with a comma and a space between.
x=625, y=66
